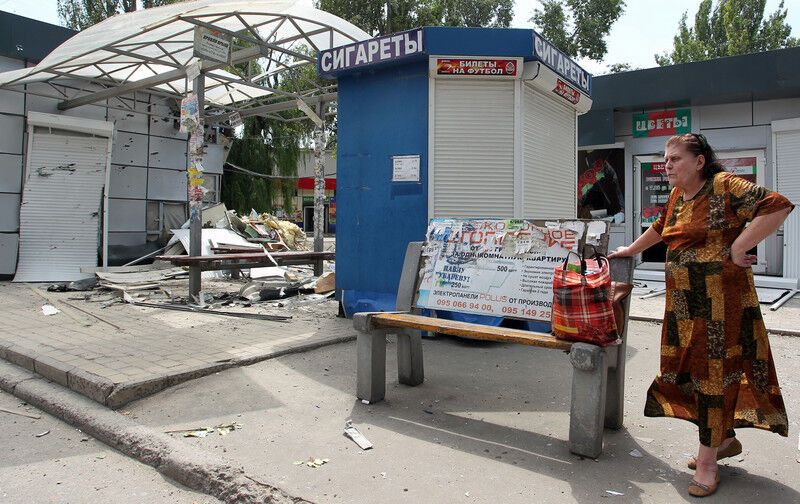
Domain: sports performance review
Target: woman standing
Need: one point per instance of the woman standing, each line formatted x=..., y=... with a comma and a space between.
x=716, y=366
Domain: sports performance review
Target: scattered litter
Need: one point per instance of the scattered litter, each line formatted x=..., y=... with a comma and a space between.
x=201, y=432
x=645, y=439
x=383, y=475
x=466, y=494
x=21, y=413
x=50, y=309
x=305, y=300
x=364, y=401
x=635, y=453
x=612, y=492
x=43, y=434
x=326, y=283
x=428, y=411
x=101, y=457
x=312, y=462
x=353, y=433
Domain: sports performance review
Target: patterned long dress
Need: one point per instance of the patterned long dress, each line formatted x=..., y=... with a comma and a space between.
x=716, y=365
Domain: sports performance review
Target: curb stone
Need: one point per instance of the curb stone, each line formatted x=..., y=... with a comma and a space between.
x=194, y=468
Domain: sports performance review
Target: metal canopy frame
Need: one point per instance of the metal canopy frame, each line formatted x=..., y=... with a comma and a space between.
x=115, y=58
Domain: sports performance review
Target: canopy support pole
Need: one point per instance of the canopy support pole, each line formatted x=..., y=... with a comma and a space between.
x=319, y=190
x=196, y=143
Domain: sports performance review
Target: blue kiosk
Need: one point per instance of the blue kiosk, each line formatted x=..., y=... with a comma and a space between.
x=446, y=122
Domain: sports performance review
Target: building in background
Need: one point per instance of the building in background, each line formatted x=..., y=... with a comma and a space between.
x=747, y=106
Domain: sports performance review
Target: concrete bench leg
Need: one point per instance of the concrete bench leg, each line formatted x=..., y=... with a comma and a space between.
x=587, y=411
x=615, y=393
x=410, y=370
x=371, y=366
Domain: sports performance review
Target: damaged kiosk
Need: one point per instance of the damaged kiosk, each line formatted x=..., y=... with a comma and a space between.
x=446, y=123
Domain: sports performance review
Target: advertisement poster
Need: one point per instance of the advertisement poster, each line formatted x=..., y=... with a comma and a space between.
x=664, y=123
x=655, y=191
x=601, y=184
x=744, y=167
x=465, y=66
x=501, y=268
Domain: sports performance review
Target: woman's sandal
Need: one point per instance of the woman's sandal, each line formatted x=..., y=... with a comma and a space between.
x=700, y=490
x=733, y=449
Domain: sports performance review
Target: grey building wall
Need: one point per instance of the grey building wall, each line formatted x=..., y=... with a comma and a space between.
x=148, y=165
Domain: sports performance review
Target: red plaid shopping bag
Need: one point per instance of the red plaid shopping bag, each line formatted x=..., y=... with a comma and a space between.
x=582, y=302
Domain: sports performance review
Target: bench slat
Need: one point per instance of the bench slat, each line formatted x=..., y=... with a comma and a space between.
x=468, y=330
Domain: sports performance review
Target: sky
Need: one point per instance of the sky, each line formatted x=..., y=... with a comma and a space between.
x=645, y=28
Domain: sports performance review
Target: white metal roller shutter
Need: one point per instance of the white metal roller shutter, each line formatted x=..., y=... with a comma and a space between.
x=548, y=157
x=473, y=152
x=787, y=165
x=61, y=206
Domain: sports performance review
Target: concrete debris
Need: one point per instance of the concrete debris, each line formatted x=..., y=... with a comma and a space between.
x=312, y=462
x=20, y=413
x=326, y=283
x=50, y=309
x=353, y=433
x=200, y=432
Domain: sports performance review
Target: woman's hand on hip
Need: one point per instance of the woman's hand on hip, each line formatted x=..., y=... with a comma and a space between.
x=621, y=252
x=742, y=258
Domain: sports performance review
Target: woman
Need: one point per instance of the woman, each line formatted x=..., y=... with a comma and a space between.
x=716, y=366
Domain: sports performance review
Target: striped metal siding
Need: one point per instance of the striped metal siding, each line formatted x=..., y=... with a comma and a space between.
x=548, y=157
x=787, y=164
x=61, y=208
x=473, y=158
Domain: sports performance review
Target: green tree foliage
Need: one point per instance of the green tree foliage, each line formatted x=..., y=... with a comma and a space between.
x=382, y=17
x=729, y=28
x=578, y=27
x=270, y=148
x=81, y=14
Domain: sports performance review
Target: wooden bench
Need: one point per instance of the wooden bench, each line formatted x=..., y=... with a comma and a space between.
x=598, y=376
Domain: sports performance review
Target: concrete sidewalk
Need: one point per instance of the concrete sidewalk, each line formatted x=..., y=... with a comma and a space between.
x=124, y=352
x=490, y=424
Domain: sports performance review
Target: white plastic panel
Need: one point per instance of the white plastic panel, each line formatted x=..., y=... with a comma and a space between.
x=9, y=212
x=167, y=185
x=9, y=242
x=126, y=215
x=168, y=153
x=127, y=120
x=11, y=128
x=10, y=173
x=212, y=161
x=129, y=149
x=62, y=203
x=128, y=182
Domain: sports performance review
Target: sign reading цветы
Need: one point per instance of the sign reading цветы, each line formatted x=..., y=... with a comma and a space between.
x=664, y=123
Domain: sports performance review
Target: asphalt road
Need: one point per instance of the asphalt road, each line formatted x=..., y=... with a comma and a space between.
x=67, y=466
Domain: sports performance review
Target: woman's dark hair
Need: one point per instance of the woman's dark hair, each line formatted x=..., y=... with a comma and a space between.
x=697, y=144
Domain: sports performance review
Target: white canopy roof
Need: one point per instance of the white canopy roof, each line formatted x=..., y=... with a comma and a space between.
x=151, y=49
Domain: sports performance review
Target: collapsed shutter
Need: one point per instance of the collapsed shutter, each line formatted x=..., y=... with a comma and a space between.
x=787, y=166
x=61, y=205
x=548, y=157
x=473, y=154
